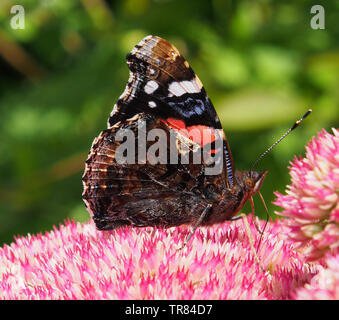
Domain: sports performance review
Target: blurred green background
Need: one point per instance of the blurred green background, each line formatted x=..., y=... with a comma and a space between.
x=261, y=63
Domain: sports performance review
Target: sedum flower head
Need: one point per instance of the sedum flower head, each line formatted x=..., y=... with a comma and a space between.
x=311, y=201
x=75, y=261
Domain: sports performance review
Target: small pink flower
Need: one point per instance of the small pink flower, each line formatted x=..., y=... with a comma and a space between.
x=311, y=202
x=76, y=261
x=325, y=285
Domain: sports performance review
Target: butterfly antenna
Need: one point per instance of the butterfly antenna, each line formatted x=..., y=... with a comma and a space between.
x=295, y=125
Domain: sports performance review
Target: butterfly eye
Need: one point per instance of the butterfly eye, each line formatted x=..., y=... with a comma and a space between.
x=249, y=183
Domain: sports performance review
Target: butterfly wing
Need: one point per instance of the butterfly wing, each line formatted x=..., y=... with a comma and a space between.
x=165, y=194
x=164, y=93
x=162, y=83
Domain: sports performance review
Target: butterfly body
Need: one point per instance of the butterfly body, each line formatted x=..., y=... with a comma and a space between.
x=163, y=95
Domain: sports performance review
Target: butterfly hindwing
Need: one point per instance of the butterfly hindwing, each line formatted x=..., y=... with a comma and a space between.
x=145, y=194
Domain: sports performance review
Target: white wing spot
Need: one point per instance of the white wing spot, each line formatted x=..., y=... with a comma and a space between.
x=186, y=86
x=176, y=89
x=151, y=86
x=152, y=104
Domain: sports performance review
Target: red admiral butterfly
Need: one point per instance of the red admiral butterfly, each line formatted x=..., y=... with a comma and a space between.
x=164, y=93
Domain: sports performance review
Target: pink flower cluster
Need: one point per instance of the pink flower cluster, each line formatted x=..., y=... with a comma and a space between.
x=324, y=285
x=78, y=262
x=312, y=200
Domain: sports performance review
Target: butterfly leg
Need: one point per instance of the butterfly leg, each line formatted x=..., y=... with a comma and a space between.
x=251, y=241
x=253, y=213
x=240, y=216
x=199, y=221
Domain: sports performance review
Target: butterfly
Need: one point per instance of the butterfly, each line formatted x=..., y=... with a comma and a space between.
x=164, y=93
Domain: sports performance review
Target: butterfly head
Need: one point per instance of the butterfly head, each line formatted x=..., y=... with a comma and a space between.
x=249, y=183
x=252, y=180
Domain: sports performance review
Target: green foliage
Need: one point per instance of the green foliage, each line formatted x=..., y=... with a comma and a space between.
x=260, y=61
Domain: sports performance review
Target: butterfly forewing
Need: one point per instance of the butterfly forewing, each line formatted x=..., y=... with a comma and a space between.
x=163, y=84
